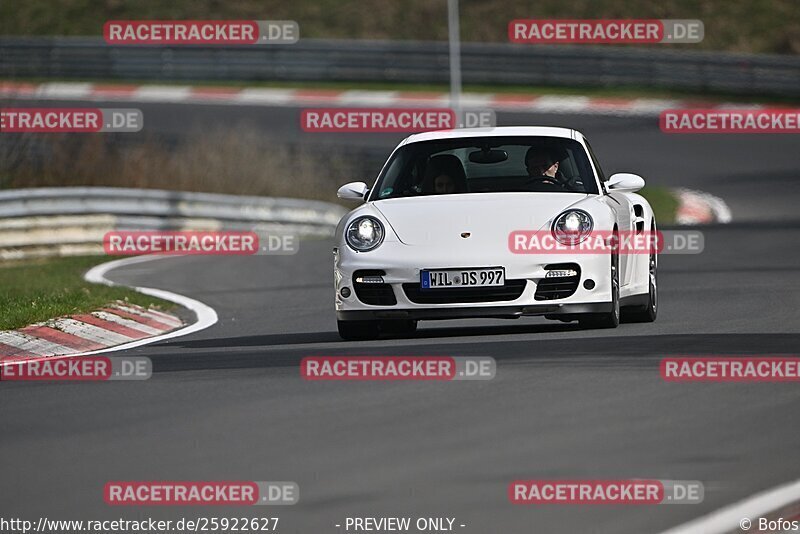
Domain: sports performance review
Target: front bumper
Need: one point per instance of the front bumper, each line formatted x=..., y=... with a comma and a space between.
x=402, y=265
x=487, y=312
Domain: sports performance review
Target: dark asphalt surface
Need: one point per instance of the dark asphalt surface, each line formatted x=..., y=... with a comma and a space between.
x=228, y=403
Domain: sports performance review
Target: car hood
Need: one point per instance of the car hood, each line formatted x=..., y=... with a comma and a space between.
x=488, y=217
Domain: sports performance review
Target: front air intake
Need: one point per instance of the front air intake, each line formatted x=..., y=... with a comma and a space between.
x=559, y=287
x=370, y=289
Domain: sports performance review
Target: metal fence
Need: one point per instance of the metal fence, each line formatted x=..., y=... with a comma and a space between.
x=406, y=61
x=73, y=220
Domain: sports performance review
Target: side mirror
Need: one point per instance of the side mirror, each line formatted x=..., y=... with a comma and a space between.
x=625, y=182
x=353, y=191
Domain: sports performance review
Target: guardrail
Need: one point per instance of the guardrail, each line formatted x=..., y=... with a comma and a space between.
x=73, y=220
x=406, y=61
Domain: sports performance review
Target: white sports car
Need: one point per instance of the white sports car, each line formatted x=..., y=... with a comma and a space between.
x=444, y=234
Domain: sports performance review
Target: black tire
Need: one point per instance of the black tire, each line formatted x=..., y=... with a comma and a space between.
x=399, y=327
x=648, y=312
x=609, y=319
x=358, y=330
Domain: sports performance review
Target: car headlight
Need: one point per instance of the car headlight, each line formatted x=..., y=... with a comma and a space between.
x=572, y=227
x=364, y=233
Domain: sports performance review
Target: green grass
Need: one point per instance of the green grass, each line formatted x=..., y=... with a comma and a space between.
x=32, y=291
x=771, y=26
x=664, y=203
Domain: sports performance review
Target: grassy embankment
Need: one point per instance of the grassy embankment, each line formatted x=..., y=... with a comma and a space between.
x=32, y=291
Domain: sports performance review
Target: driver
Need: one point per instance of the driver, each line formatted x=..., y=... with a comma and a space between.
x=542, y=166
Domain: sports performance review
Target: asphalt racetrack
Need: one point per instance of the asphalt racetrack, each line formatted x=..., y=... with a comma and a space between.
x=228, y=403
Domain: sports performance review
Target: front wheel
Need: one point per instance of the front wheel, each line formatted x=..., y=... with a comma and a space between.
x=648, y=313
x=609, y=319
x=357, y=330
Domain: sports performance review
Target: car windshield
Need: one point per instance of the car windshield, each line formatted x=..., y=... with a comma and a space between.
x=487, y=165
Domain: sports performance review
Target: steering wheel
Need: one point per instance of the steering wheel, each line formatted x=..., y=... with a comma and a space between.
x=557, y=180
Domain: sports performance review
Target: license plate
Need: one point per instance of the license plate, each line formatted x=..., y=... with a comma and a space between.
x=459, y=278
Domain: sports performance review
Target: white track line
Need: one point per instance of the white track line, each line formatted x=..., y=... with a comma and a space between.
x=206, y=316
x=727, y=519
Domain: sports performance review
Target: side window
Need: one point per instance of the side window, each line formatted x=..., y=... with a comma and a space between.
x=596, y=163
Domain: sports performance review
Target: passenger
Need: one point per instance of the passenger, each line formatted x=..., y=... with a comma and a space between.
x=444, y=174
x=444, y=185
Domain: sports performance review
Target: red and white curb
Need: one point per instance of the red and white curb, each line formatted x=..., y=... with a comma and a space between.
x=117, y=324
x=256, y=96
x=120, y=326
x=699, y=207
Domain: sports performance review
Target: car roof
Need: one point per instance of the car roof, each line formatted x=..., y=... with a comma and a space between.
x=502, y=131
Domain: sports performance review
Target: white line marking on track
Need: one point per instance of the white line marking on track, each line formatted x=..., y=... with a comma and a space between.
x=727, y=519
x=206, y=316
